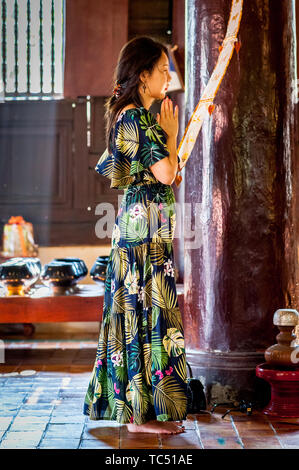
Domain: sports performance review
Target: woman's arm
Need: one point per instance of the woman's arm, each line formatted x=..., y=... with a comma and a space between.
x=165, y=170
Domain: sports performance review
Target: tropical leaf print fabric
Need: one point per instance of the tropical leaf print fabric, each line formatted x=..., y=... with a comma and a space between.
x=139, y=373
x=139, y=143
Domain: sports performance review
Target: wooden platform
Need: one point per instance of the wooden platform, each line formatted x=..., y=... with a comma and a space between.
x=41, y=306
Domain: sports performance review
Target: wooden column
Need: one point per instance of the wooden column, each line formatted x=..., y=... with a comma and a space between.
x=242, y=176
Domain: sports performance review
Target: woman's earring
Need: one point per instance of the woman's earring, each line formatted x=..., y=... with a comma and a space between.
x=144, y=88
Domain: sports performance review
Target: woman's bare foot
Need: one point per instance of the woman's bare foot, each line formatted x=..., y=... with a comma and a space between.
x=160, y=427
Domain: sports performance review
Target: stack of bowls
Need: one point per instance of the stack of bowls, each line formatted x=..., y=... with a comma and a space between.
x=98, y=271
x=62, y=274
x=82, y=270
x=17, y=275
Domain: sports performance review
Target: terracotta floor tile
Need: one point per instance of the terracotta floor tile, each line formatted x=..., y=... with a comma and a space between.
x=131, y=444
x=59, y=410
x=253, y=427
x=63, y=419
x=289, y=440
x=186, y=440
x=5, y=422
x=263, y=433
x=142, y=437
x=101, y=433
x=221, y=443
x=261, y=443
x=217, y=431
x=141, y=440
x=16, y=426
x=255, y=416
x=204, y=417
x=60, y=444
x=23, y=436
x=28, y=420
x=66, y=431
x=144, y=440
x=6, y=444
x=95, y=444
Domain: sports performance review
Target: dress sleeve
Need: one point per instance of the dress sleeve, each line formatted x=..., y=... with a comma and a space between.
x=105, y=164
x=139, y=143
x=152, y=140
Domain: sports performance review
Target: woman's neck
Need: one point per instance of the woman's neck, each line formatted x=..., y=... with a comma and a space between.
x=147, y=101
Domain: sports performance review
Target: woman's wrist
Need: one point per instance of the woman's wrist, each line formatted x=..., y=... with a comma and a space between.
x=173, y=137
x=172, y=148
x=171, y=145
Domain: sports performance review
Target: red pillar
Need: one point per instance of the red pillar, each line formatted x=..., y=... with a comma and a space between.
x=242, y=175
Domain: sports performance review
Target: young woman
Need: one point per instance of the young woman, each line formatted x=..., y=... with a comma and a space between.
x=139, y=375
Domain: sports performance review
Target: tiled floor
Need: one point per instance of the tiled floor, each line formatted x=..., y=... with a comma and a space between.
x=44, y=410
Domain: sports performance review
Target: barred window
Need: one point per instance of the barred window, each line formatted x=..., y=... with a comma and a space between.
x=32, y=49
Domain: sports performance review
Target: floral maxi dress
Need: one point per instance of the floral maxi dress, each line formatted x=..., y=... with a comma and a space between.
x=139, y=372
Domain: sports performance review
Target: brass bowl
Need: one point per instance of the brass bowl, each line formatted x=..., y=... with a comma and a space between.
x=18, y=274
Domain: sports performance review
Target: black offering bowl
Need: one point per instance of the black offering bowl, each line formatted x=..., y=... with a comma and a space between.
x=17, y=275
x=98, y=271
x=82, y=270
x=60, y=276
x=35, y=264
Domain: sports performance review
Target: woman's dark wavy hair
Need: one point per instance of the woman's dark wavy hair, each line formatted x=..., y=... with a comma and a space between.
x=139, y=54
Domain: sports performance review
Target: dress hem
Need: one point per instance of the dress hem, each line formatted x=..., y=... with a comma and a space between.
x=183, y=418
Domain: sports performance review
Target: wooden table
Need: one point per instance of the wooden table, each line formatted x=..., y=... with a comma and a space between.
x=41, y=306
